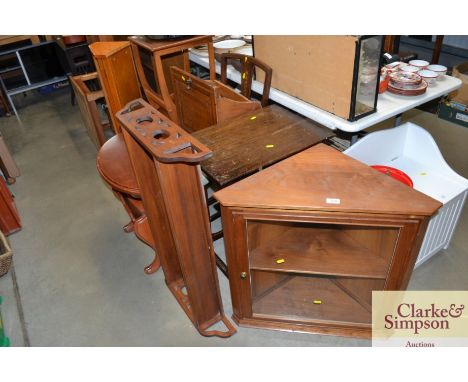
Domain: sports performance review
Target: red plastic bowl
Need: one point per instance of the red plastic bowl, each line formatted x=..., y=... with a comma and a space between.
x=395, y=174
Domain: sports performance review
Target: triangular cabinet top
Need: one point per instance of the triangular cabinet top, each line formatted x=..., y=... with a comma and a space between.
x=323, y=179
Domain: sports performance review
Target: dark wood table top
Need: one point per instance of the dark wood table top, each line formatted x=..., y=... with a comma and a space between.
x=256, y=140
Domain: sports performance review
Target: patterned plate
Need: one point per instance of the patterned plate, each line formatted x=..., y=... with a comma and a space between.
x=416, y=90
x=405, y=78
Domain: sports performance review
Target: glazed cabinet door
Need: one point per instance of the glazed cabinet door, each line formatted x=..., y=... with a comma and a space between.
x=315, y=268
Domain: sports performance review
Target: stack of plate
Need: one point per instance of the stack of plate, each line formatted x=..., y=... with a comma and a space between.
x=406, y=83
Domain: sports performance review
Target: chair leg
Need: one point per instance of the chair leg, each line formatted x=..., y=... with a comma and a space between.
x=129, y=227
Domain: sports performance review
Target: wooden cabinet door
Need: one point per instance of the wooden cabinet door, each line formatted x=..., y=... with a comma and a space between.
x=316, y=267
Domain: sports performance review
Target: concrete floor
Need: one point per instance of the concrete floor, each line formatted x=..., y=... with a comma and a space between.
x=80, y=279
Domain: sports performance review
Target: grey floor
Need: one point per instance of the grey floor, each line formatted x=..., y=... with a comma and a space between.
x=80, y=279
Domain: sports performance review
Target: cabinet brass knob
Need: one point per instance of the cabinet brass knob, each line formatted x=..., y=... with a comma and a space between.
x=243, y=275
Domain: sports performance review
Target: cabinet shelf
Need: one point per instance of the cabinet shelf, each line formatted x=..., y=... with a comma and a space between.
x=293, y=299
x=322, y=249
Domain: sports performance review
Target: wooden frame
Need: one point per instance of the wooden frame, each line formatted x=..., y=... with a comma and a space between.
x=87, y=102
x=248, y=65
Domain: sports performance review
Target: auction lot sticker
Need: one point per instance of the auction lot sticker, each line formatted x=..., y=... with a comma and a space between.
x=420, y=318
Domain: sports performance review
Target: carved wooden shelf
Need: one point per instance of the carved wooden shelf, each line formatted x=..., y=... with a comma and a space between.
x=166, y=163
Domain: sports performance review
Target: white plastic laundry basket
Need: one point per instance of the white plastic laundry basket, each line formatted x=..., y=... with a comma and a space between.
x=412, y=149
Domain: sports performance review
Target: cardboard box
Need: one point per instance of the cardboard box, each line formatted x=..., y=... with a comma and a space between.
x=461, y=95
x=453, y=112
x=339, y=74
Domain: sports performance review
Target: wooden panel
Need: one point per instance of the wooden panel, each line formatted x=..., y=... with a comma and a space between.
x=255, y=140
x=203, y=103
x=315, y=249
x=322, y=174
x=236, y=247
x=194, y=99
x=316, y=69
x=114, y=64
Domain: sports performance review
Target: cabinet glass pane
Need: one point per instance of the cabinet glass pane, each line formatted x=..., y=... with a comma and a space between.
x=300, y=297
x=322, y=249
x=369, y=59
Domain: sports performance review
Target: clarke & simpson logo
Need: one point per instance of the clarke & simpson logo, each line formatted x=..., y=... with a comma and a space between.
x=419, y=318
x=409, y=316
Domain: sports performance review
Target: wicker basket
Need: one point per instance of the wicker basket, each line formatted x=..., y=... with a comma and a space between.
x=5, y=255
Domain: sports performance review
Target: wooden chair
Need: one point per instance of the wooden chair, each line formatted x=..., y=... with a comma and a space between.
x=246, y=65
x=203, y=103
x=114, y=166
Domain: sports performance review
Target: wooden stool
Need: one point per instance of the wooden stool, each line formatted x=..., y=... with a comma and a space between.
x=114, y=166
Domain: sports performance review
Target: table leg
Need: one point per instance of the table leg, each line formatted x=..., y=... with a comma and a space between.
x=397, y=120
x=354, y=139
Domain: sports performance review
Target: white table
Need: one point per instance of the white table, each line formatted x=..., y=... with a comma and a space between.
x=388, y=105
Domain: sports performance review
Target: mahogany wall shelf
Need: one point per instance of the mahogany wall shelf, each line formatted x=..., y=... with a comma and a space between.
x=309, y=238
x=166, y=163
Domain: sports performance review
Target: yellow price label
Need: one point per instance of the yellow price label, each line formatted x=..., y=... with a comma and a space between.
x=243, y=76
x=269, y=146
x=280, y=261
x=183, y=78
x=317, y=302
x=254, y=117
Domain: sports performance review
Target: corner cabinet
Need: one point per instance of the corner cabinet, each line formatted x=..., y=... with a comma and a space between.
x=309, y=239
